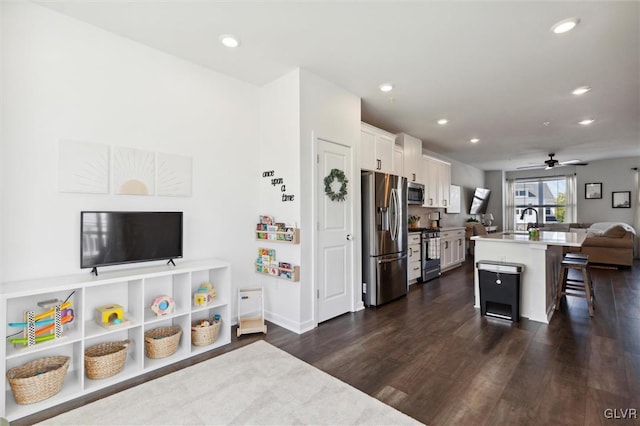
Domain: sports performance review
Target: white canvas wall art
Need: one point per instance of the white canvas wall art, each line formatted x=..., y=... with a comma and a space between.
x=133, y=171
x=83, y=167
x=174, y=175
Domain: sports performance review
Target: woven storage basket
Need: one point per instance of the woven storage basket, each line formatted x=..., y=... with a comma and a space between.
x=38, y=379
x=162, y=341
x=105, y=359
x=203, y=336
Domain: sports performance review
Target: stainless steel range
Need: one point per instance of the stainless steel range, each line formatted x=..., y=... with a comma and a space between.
x=430, y=254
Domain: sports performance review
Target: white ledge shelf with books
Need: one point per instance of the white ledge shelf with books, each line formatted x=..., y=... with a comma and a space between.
x=291, y=236
x=291, y=273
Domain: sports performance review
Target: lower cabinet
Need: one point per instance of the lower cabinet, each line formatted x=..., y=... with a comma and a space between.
x=452, y=248
x=414, y=270
x=112, y=307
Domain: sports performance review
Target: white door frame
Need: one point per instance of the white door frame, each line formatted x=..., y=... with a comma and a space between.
x=354, y=189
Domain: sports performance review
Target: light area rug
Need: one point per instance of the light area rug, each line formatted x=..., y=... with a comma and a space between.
x=257, y=384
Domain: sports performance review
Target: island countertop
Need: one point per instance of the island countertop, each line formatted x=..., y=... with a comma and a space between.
x=567, y=239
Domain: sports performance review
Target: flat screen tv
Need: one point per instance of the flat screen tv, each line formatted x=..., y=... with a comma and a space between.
x=113, y=238
x=480, y=201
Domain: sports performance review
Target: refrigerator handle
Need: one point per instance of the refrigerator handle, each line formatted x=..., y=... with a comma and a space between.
x=394, y=209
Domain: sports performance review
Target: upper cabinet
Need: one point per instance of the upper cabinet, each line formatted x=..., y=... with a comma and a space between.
x=398, y=160
x=412, y=147
x=438, y=180
x=376, y=149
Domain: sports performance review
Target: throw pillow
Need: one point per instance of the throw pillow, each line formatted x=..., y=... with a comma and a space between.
x=615, y=232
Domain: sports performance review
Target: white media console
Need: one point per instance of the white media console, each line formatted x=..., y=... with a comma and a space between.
x=134, y=290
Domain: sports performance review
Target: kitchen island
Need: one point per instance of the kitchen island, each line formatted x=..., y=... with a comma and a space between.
x=541, y=258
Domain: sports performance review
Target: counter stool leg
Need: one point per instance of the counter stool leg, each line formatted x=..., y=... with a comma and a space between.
x=562, y=282
x=588, y=289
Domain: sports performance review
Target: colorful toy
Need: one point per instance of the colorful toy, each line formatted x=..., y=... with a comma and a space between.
x=204, y=295
x=162, y=305
x=60, y=314
x=111, y=316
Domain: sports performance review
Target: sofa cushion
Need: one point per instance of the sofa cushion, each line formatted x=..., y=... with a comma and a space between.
x=615, y=232
x=608, y=242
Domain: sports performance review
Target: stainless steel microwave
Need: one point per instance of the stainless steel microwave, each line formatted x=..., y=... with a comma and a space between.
x=415, y=193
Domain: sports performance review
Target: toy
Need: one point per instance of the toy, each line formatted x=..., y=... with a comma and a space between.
x=60, y=314
x=111, y=316
x=204, y=295
x=162, y=305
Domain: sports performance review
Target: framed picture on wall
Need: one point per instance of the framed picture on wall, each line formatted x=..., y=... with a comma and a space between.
x=621, y=200
x=592, y=190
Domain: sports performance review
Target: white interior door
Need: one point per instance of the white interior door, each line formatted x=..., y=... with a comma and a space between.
x=335, y=248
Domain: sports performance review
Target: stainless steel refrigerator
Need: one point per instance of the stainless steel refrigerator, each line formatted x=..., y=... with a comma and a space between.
x=384, y=237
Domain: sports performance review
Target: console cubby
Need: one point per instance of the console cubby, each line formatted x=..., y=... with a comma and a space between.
x=134, y=290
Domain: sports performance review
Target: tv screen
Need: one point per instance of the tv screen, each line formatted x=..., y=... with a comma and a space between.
x=479, y=201
x=111, y=238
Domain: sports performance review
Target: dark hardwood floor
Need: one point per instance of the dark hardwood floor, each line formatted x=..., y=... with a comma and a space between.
x=432, y=356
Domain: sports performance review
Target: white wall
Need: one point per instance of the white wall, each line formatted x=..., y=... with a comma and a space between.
x=64, y=79
x=333, y=114
x=615, y=175
x=2, y=82
x=279, y=151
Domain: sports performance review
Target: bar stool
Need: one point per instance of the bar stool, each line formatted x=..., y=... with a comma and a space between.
x=575, y=287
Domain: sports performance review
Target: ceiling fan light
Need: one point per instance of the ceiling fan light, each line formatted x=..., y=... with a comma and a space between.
x=564, y=26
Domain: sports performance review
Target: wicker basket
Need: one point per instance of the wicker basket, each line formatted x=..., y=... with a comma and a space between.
x=105, y=359
x=38, y=379
x=162, y=341
x=203, y=336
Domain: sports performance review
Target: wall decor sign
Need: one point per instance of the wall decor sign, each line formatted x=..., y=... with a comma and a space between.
x=275, y=181
x=174, y=175
x=133, y=171
x=621, y=200
x=592, y=191
x=335, y=185
x=83, y=167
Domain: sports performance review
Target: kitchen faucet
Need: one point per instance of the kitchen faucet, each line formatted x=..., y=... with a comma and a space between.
x=529, y=225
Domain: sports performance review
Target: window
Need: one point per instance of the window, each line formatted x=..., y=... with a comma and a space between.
x=542, y=200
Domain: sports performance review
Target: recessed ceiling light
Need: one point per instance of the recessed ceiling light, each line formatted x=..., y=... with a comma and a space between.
x=386, y=87
x=474, y=140
x=586, y=122
x=581, y=90
x=229, y=40
x=564, y=25
x=443, y=121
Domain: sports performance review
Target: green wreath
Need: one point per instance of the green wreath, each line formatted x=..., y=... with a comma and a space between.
x=340, y=177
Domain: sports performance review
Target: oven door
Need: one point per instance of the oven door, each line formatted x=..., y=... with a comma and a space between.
x=430, y=258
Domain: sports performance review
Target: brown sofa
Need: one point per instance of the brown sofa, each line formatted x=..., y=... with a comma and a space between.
x=614, y=246
x=607, y=242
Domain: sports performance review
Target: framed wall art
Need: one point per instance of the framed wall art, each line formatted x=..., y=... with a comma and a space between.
x=592, y=190
x=621, y=200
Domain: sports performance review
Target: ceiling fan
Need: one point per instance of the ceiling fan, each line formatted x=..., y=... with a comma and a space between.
x=552, y=162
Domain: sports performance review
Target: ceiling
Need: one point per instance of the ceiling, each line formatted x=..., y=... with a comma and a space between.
x=493, y=69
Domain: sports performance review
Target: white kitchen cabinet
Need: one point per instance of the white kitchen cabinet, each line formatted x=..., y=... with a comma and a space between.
x=437, y=183
x=398, y=160
x=414, y=270
x=412, y=147
x=376, y=149
x=452, y=246
x=134, y=290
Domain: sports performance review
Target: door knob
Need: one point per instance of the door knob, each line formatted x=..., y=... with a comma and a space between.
x=349, y=237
